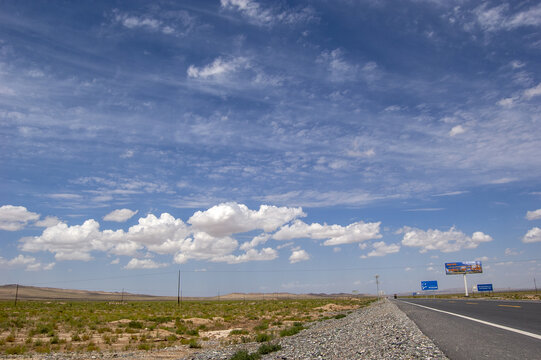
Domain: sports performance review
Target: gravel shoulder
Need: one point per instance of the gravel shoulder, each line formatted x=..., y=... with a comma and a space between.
x=379, y=331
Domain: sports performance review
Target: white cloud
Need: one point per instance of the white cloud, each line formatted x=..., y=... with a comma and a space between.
x=257, y=240
x=219, y=67
x=444, y=241
x=507, y=102
x=534, y=91
x=339, y=68
x=504, y=180
x=64, y=196
x=265, y=254
x=511, y=252
x=115, y=261
x=48, y=221
x=298, y=255
x=452, y=193
x=120, y=215
x=22, y=260
x=67, y=242
x=517, y=64
x=335, y=234
x=482, y=258
x=143, y=264
x=530, y=17
x=533, y=235
x=13, y=218
x=457, y=130
x=208, y=238
x=497, y=18
x=205, y=247
x=533, y=215
x=267, y=16
x=229, y=218
x=382, y=249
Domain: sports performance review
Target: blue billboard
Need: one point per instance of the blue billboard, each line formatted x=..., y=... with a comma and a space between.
x=485, y=287
x=429, y=285
x=466, y=267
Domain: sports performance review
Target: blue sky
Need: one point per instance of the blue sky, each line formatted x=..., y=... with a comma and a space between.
x=269, y=146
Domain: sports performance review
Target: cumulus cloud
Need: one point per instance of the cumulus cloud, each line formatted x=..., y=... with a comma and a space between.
x=298, y=255
x=257, y=240
x=143, y=264
x=67, y=242
x=207, y=239
x=265, y=254
x=13, y=218
x=229, y=218
x=457, y=130
x=29, y=262
x=204, y=246
x=120, y=215
x=444, y=241
x=48, y=221
x=335, y=234
x=382, y=249
x=533, y=235
x=534, y=215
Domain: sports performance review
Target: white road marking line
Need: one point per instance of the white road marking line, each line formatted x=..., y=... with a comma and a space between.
x=535, y=336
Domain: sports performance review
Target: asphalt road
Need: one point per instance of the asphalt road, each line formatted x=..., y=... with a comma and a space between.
x=461, y=338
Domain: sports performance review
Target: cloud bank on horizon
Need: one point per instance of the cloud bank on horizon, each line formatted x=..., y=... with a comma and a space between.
x=208, y=235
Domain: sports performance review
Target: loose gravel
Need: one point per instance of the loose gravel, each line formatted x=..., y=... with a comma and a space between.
x=379, y=331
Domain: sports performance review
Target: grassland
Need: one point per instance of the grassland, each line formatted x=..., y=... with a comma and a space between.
x=65, y=326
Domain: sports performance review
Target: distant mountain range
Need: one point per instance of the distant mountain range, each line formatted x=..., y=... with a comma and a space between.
x=8, y=292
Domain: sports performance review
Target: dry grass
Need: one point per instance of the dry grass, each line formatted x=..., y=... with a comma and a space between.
x=66, y=326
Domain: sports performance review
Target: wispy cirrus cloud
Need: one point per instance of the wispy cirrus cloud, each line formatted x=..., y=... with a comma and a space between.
x=266, y=15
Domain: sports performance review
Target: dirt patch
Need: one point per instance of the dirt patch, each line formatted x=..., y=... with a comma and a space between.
x=198, y=321
x=216, y=334
x=335, y=307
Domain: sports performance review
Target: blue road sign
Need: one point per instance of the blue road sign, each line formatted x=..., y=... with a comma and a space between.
x=429, y=285
x=484, y=287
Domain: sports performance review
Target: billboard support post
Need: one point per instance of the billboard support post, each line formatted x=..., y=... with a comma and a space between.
x=465, y=286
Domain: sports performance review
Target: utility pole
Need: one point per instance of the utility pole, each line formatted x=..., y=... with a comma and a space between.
x=535, y=285
x=377, y=284
x=465, y=286
x=122, y=297
x=178, y=290
x=16, y=294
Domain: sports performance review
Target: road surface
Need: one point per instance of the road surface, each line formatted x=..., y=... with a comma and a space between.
x=461, y=338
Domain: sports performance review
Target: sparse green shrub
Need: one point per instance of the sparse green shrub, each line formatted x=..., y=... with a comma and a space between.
x=244, y=355
x=143, y=346
x=268, y=348
x=135, y=324
x=262, y=337
x=193, y=344
x=16, y=350
x=238, y=332
x=291, y=331
x=340, y=316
